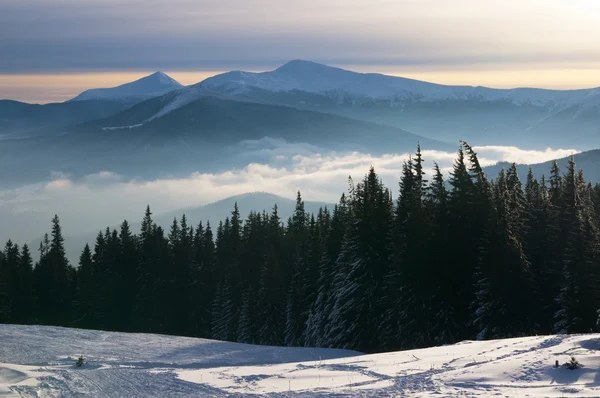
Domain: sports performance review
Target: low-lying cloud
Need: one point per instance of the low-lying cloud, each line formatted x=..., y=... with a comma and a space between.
x=105, y=198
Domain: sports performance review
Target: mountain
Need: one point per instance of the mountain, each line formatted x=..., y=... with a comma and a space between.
x=217, y=119
x=147, y=87
x=589, y=161
x=317, y=78
x=253, y=201
x=17, y=118
x=528, y=117
x=208, y=134
x=213, y=212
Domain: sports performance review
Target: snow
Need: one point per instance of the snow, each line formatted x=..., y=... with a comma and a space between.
x=39, y=361
x=122, y=127
x=316, y=78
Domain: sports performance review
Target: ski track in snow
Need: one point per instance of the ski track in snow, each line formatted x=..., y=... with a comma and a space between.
x=39, y=361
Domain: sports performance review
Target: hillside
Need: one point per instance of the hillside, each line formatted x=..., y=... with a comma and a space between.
x=40, y=361
x=217, y=119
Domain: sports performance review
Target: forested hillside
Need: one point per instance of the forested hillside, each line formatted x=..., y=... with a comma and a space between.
x=479, y=260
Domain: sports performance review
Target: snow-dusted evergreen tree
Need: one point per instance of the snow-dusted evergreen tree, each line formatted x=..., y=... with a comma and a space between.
x=201, y=282
x=317, y=324
x=296, y=301
x=503, y=286
x=443, y=324
x=24, y=298
x=271, y=293
x=543, y=250
x=363, y=264
x=462, y=244
x=128, y=259
x=142, y=311
x=578, y=298
x=52, y=279
x=85, y=297
x=408, y=282
x=245, y=328
x=225, y=307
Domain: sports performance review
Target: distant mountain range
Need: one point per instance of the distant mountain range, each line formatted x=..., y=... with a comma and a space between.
x=481, y=115
x=156, y=127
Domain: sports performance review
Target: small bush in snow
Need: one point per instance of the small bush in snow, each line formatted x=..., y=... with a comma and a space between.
x=80, y=361
x=573, y=364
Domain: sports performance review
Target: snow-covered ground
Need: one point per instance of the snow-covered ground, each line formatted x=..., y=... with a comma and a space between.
x=38, y=361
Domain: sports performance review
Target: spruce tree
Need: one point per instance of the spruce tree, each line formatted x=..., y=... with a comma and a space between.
x=362, y=266
x=272, y=294
x=84, y=307
x=578, y=297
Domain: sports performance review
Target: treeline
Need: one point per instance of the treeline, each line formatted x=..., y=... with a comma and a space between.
x=448, y=260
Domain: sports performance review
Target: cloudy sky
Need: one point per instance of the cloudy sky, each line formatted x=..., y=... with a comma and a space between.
x=50, y=50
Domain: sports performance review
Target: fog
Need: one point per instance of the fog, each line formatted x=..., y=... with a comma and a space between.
x=105, y=199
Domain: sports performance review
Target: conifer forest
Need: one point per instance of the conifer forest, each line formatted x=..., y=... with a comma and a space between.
x=436, y=260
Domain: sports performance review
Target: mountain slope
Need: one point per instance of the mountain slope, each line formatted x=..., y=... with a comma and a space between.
x=589, y=161
x=40, y=361
x=147, y=87
x=216, y=119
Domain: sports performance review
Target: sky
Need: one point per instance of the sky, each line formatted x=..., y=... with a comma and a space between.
x=52, y=50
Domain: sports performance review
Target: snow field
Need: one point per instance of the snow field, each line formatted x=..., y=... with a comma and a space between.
x=39, y=361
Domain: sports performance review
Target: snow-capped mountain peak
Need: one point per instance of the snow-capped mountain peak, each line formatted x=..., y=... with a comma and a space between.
x=153, y=85
x=337, y=83
x=322, y=79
